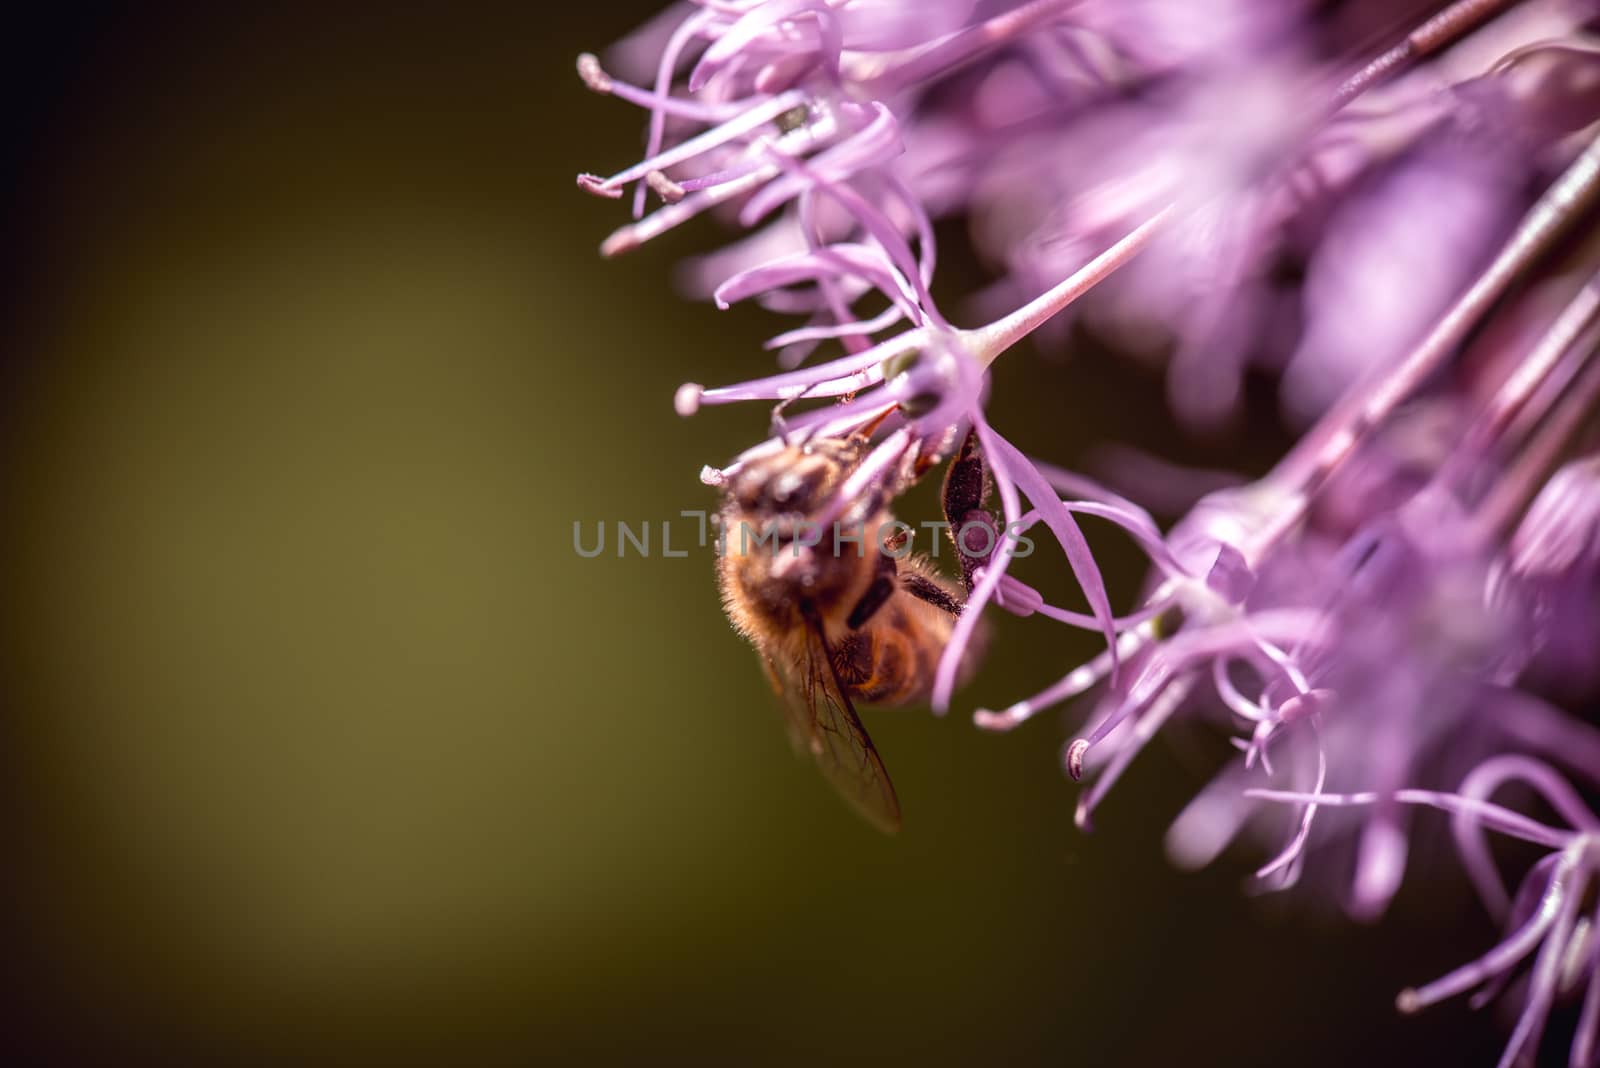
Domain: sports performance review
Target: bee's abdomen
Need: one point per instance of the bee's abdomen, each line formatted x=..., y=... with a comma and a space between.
x=884, y=664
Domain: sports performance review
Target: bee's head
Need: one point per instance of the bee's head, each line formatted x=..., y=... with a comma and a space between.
x=782, y=563
x=776, y=523
x=796, y=482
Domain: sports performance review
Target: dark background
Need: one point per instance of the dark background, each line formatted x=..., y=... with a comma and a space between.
x=322, y=744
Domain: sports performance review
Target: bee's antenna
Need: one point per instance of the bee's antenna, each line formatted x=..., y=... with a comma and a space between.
x=778, y=423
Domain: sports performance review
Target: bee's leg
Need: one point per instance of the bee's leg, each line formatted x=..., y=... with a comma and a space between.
x=927, y=590
x=772, y=675
x=852, y=662
x=965, y=483
x=882, y=588
x=972, y=528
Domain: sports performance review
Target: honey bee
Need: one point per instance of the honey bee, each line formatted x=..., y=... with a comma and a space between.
x=840, y=619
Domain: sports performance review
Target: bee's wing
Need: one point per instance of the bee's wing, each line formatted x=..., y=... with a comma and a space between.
x=823, y=723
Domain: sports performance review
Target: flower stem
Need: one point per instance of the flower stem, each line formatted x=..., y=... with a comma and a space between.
x=986, y=343
x=939, y=58
x=1572, y=415
x=1322, y=451
x=1448, y=26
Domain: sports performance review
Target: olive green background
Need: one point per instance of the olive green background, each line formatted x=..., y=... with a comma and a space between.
x=323, y=745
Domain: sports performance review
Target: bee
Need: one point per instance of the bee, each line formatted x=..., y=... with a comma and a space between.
x=842, y=618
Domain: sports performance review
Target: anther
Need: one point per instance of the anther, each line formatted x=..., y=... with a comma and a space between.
x=687, y=400
x=1075, y=754
x=593, y=76
x=596, y=185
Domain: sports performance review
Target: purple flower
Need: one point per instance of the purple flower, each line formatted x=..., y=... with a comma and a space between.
x=1392, y=616
x=1551, y=571
x=1545, y=921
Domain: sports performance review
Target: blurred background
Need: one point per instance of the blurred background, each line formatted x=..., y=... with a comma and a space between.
x=323, y=745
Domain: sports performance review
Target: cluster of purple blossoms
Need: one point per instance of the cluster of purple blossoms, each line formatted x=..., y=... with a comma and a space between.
x=1388, y=206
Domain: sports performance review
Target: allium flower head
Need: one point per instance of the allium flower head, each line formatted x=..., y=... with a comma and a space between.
x=1395, y=219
